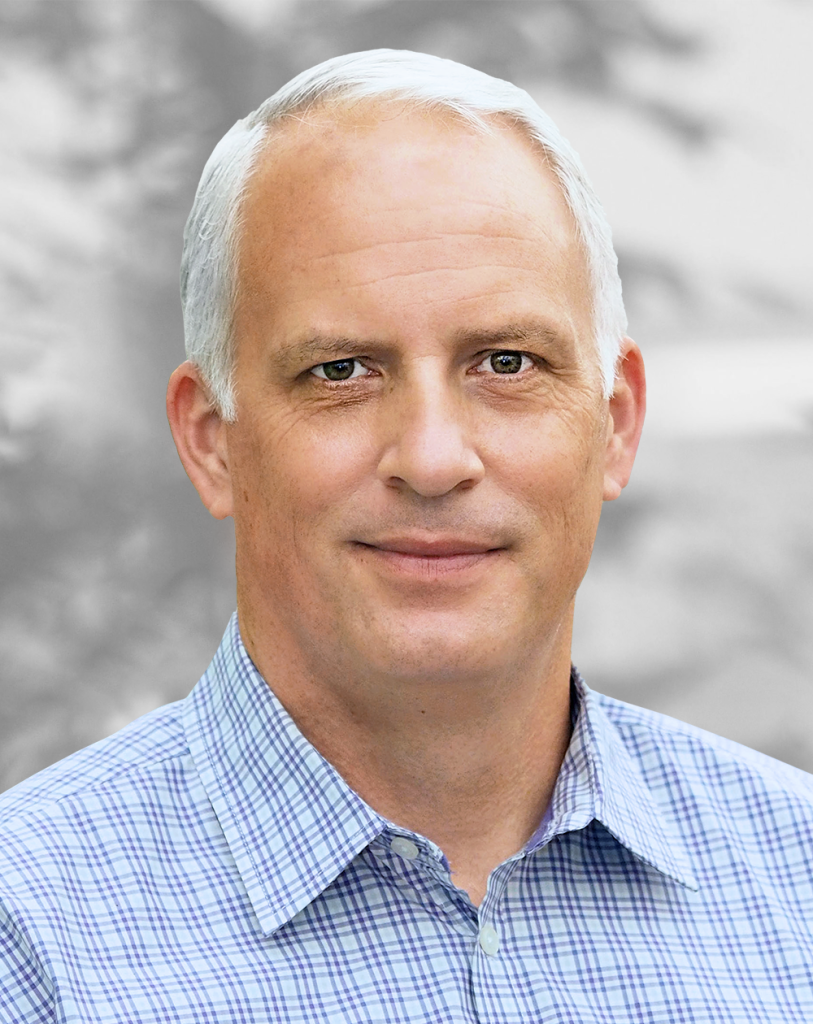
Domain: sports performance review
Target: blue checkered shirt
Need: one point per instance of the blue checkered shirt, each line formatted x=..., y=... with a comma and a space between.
x=207, y=865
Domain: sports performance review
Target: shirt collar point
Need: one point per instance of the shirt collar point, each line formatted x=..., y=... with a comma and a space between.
x=621, y=799
x=291, y=822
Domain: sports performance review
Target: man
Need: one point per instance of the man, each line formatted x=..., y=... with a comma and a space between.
x=390, y=798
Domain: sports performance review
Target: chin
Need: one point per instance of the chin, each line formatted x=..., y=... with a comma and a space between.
x=443, y=648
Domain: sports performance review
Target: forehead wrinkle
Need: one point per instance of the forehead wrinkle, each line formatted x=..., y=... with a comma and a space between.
x=381, y=278
x=444, y=206
x=441, y=236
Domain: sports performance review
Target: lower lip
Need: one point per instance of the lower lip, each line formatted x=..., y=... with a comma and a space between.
x=429, y=566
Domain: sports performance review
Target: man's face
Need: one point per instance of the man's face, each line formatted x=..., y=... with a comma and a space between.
x=418, y=456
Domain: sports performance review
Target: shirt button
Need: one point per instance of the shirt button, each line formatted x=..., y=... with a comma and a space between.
x=404, y=848
x=489, y=940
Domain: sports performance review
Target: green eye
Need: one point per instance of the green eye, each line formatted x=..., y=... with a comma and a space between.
x=339, y=369
x=506, y=362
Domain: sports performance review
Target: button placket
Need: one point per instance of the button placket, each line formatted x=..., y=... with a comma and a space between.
x=421, y=882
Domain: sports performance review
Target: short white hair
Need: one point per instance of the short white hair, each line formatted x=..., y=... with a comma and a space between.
x=209, y=264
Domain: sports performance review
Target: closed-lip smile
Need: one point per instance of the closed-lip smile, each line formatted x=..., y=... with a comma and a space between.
x=431, y=545
x=429, y=556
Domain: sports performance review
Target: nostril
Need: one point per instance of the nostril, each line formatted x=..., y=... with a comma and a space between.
x=431, y=474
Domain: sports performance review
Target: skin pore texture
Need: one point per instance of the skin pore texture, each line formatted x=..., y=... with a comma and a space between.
x=411, y=523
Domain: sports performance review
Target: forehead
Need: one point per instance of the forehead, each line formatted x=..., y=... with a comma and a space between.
x=311, y=164
x=355, y=198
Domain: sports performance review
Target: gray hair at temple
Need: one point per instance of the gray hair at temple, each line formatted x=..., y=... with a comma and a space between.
x=208, y=267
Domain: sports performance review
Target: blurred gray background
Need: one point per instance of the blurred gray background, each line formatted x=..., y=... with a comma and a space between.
x=694, y=121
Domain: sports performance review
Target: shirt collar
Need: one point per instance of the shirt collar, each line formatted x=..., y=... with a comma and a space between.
x=290, y=820
x=293, y=824
x=600, y=780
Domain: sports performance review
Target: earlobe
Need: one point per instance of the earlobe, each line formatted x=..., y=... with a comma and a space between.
x=200, y=437
x=626, y=419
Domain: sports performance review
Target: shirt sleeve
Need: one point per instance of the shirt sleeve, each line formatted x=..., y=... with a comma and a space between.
x=27, y=993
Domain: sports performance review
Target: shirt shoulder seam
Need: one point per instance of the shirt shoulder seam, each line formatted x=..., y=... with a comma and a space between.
x=627, y=717
x=109, y=779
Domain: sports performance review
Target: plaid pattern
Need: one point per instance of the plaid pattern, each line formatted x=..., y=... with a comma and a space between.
x=207, y=865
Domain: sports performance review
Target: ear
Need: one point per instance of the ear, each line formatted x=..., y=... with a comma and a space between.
x=200, y=437
x=625, y=420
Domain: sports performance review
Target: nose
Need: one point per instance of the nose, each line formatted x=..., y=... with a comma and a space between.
x=430, y=448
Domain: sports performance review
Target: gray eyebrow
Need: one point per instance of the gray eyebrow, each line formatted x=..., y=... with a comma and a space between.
x=518, y=334
x=322, y=348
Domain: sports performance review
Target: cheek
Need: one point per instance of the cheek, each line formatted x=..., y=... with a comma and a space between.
x=553, y=463
x=298, y=468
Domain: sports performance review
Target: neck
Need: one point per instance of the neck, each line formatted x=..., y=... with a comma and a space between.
x=469, y=764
